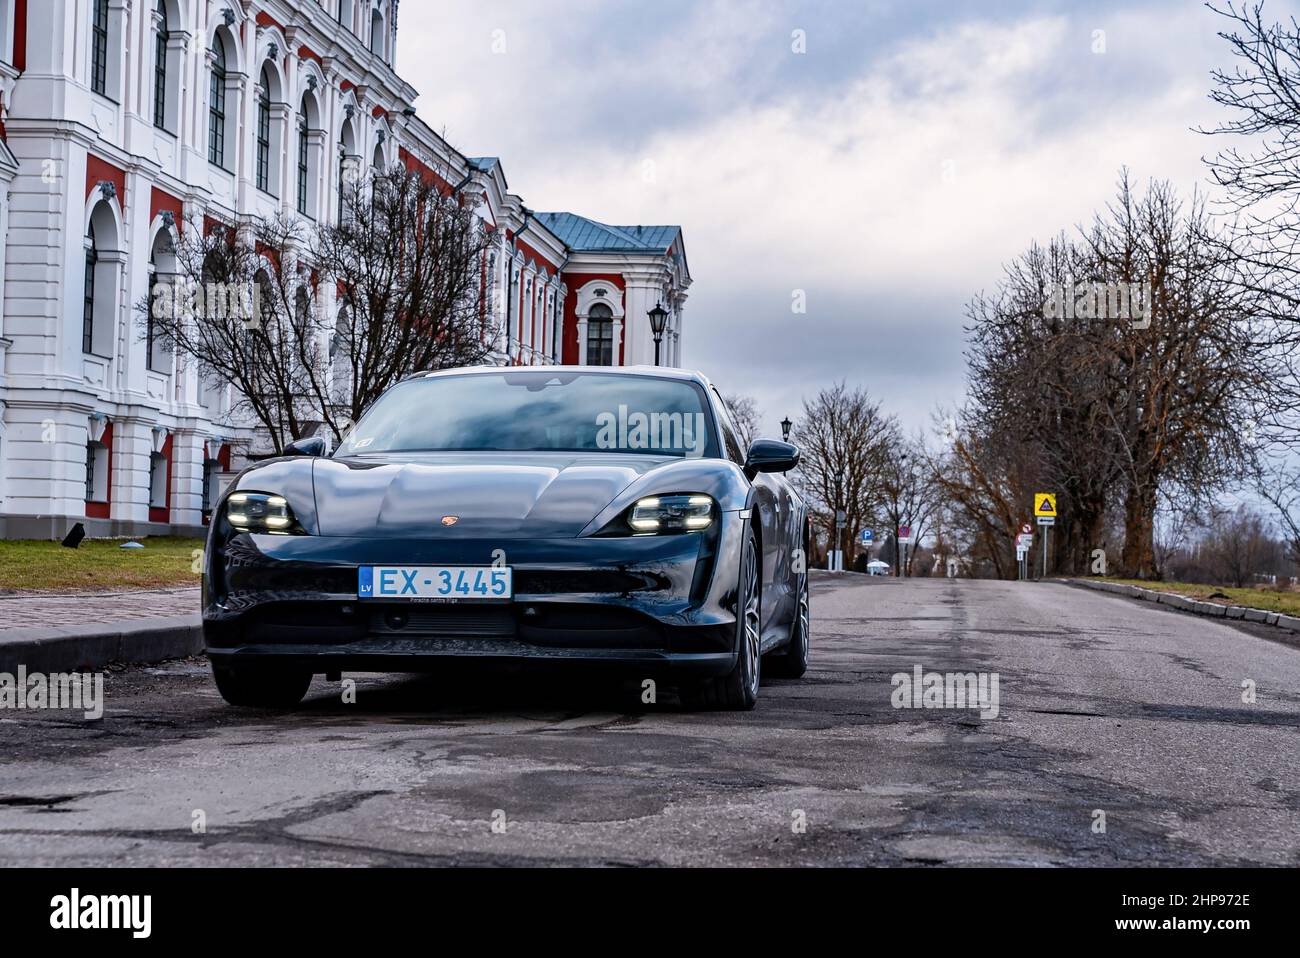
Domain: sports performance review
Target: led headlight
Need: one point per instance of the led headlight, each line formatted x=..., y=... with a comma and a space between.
x=668, y=514
x=259, y=512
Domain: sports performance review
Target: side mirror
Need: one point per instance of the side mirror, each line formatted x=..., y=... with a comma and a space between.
x=770, y=455
x=314, y=447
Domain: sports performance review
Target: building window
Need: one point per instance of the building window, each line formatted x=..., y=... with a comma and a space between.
x=88, y=294
x=264, y=139
x=157, y=481
x=150, y=324
x=161, y=36
x=211, y=468
x=343, y=172
x=217, y=106
x=99, y=48
x=600, y=336
x=97, y=468
x=377, y=34
x=303, y=145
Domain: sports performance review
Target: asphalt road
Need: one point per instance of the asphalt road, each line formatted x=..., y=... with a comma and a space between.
x=1105, y=706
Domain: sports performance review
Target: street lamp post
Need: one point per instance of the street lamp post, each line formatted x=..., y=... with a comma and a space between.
x=900, y=550
x=837, y=553
x=658, y=320
x=786, y=426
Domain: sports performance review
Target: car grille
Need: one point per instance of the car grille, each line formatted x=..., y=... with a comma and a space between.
x=442, y=620
x=594, y=581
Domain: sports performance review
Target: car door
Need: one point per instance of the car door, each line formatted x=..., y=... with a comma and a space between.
x=771, y=501
x=788, y=541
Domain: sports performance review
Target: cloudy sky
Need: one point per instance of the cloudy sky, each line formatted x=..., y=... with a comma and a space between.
x=887, y=171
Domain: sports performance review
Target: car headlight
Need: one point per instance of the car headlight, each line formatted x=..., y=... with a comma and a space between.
x=671, y=514
x=260, y=512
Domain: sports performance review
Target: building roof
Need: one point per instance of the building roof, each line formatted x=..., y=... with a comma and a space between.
x=587, y=236
x=487, y=164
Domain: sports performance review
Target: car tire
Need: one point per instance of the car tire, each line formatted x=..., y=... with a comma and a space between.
x=738, y=689
x=261, y=688
x=791, y=660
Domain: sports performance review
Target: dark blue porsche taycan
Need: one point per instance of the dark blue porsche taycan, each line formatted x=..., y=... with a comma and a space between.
x=562, y=515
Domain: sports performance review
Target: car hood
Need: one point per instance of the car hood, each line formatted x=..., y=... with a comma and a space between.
x=490, y=495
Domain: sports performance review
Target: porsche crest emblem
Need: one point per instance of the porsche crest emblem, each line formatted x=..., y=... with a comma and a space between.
x=450, y=520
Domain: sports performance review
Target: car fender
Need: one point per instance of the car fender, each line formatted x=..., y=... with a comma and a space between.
x=289, y=477
x=719, y=478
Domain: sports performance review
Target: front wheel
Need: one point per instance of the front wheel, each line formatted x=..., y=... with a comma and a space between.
x=737, y=690
x=261, y=687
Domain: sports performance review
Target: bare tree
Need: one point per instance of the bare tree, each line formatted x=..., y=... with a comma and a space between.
x=846, y=444
x=1262, y=180
x=1239, y=545
x=985, y=478
x=1277, y=480
x=254, y=306
x=1039, y=387
x=409, y=261
x=1117, y=404
x=235, y=306
x=910, y=495
x=1193, y=379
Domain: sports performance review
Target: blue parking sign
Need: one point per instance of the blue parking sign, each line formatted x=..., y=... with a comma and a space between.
x=868, y=536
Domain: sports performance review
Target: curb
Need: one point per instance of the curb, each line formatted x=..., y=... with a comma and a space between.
x=91, y=647
x=1185, y=604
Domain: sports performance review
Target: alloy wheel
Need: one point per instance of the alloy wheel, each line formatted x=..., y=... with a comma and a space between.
x=751, y=618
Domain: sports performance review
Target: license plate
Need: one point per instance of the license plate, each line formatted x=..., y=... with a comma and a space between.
x=435, y=583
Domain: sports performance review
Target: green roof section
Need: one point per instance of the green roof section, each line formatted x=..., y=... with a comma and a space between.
x=588, y=236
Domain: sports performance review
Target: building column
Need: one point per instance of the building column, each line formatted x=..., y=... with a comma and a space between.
x=288, y=158
x=246, y=166
x=187, y=476
x=132, y=451
x=642, y=292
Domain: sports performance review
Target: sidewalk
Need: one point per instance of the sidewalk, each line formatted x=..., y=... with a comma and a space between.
x=64, y=632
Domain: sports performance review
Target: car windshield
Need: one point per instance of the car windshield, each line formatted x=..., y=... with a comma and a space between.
x=538, y=411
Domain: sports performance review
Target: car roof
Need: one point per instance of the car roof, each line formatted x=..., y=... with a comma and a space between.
x=644, y=372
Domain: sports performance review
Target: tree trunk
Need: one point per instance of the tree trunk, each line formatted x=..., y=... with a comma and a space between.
x=1138, y=559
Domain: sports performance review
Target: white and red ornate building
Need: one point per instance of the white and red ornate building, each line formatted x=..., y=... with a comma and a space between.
x=119, y=120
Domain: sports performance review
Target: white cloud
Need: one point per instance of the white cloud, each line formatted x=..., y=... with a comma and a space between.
x=909, y=186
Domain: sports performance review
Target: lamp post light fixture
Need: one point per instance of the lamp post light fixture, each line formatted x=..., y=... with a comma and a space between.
x=658, y=320
x=786, y=426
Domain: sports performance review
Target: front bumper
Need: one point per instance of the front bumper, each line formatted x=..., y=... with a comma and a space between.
x=651, y=604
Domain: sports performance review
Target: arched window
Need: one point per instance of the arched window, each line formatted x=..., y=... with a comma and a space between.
x=600, y=336
x=264, y=136
x=88, y=299
x=349, y=165
x=304, y=147
x=377, y=33
x=162, y=34
x=217, y=104
x=99, y=48
x=162, y=269
x=150, y=323
x=101, y=281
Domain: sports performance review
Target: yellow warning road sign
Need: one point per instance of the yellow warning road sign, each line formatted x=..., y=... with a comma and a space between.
x=1045, y=504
